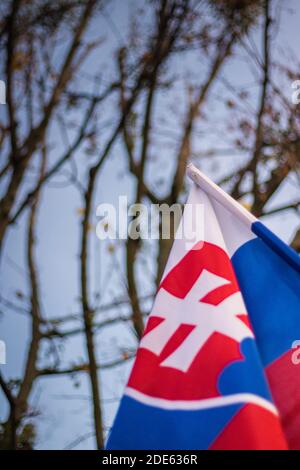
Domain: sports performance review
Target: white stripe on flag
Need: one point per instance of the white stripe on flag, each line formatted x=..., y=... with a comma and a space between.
x=201, y=404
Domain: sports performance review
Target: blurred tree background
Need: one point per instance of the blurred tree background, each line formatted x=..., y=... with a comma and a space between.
x=107, y=98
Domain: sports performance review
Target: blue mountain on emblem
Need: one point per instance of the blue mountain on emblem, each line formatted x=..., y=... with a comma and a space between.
x=246, y=375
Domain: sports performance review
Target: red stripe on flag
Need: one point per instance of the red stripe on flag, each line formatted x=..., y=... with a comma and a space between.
x=284, y=380
x=252, y=428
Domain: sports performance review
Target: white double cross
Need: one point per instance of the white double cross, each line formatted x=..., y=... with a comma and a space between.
x=206, y=318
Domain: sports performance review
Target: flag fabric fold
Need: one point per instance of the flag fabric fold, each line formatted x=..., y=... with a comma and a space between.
x=214, y=368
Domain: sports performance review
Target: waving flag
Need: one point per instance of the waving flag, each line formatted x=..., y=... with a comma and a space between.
x=214, y=369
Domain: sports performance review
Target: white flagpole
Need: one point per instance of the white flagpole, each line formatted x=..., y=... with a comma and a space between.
x=219, y=195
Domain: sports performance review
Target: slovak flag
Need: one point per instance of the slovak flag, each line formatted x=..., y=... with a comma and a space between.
x=215, y=368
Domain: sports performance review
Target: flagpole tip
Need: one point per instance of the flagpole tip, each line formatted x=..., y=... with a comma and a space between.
x=213, y=190
x=192, y=171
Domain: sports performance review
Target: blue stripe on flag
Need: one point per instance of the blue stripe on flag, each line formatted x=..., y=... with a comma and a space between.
x=281, y=248
x=140, y=426
x=265, y=269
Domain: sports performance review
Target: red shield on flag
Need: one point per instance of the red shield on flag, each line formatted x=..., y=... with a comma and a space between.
x=195, y=328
